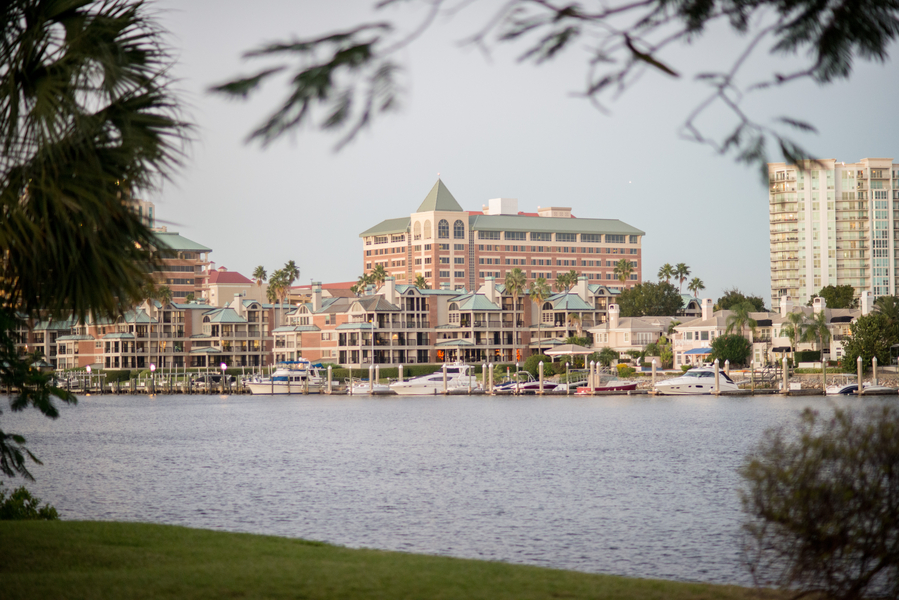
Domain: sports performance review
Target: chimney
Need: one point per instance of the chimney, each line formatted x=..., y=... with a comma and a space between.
x=581, y=288
x=316, y=296
x=866, y=302
x=613, y=316
x=786, y=305
x=819, y=304
x=708, y=307
x=490, y=289
x=390, y=290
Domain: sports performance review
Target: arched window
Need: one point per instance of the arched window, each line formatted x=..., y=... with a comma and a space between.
x=416, y=231
x=427, y=230
x=454, y=306
x=459, y=230
x=443, y=229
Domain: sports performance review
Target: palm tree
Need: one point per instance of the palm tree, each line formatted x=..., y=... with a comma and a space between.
x=260, y=275
x=539, y=293
x=379, y=274
x=85, y=116
x=623, y=270
x=278, y=287
x=666, y=272
x=515, y=282
x=681, y=271
x=696, y=286
x=291, y=274
x=794, y=330
x=421, y=283
x=818, y=331
x=364, y=281
x=888, y=306
x=739, y=318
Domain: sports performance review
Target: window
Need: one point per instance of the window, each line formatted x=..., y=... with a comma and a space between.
x=444, y=273
x=427, y=247
x=459, y=274
x=615, y=239
x=634, y=239
x=541, y=236
x=443, y=246
x=515, y=235
x=416, y=231
x=591, y=238
x=566, y=237
x=459, y=260
x=633, y=250
x=458, y=247
x=427, y=230
x=326, y=337
x=443, y=229
x=459, y=230
x=488, y=235
x=444, y=260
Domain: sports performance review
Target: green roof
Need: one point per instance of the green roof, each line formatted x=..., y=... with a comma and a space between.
x=567, y=301
x=354, y=326
x=475, y=302
x=74, y=338
x=385, y=227
x=295, y=328
x=550, y=224
x=225, y=315
x=458, y=342
x=118, y=336
x=176, y=241
x=439, y=198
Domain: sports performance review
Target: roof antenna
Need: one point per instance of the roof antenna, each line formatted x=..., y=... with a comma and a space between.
x=438, y=175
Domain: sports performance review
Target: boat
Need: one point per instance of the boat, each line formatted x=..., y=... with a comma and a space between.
x=362, y=387
x=290, y=377
x=877, y=390
x=525, y=384
x=841, y=389
x=458, y=379
x=696, y=381
x=613, y=385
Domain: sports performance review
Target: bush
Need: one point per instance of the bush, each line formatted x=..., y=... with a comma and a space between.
x=733, y=347
x=20, y=505
x=686, y=368
x=625, y=371
x=808, y=356
x=532, y=363
x=820, y=504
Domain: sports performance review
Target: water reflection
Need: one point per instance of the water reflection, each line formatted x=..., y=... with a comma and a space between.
x=637, y=486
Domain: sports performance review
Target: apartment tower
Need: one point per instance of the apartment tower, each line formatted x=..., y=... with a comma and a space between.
x=833, y=223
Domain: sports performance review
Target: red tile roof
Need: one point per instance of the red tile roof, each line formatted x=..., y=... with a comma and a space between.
x=222, y=277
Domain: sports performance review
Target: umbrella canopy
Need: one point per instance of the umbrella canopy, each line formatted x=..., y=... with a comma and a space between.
x=567, y=349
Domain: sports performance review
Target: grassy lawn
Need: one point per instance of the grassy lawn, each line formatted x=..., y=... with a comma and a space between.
x=73, y=559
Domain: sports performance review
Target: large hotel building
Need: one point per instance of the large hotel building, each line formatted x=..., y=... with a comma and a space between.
x=833, y=223
x=453, y=248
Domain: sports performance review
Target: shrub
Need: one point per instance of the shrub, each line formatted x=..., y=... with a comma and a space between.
x=531, y=365
x=686, y=368
x=20, y=505
x=625, y=371
x=808, y=356
x=820, y=504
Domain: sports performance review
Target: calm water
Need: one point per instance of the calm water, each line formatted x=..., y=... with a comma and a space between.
x=634, y=486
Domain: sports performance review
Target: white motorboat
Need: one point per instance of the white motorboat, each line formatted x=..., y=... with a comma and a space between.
x=696, y=382
x=458, y=378
x=363, y=387
x=291, y=377
x=842, y=388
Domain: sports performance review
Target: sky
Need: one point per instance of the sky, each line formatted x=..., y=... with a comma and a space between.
x=492, y=127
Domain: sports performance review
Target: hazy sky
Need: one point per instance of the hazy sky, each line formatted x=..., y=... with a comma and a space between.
x=492, y=128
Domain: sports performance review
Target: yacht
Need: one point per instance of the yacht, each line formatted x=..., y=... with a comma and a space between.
x=458, y=378
x=525, y=384
x=695, y=382
x=363, y=387
x=290, y=377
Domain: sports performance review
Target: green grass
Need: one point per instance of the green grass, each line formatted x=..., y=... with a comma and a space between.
x=128, y=560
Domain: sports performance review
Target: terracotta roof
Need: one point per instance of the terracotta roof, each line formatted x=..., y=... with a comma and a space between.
x=221, y=277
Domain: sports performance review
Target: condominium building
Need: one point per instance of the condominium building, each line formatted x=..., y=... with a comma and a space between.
x=833, y=223
x=449, y=246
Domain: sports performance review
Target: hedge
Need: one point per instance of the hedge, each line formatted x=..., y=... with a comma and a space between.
x=808, y=356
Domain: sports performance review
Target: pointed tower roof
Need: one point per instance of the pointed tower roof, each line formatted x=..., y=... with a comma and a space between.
x=439, y=198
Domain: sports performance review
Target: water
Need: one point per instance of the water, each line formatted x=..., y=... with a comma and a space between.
x=639, y=486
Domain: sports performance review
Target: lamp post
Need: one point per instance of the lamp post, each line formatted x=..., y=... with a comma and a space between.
x=89, y=386
x=223, y=367
x=153, y=378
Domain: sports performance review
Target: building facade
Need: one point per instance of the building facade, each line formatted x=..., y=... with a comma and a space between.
x=833, y=223
x=450, y=246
